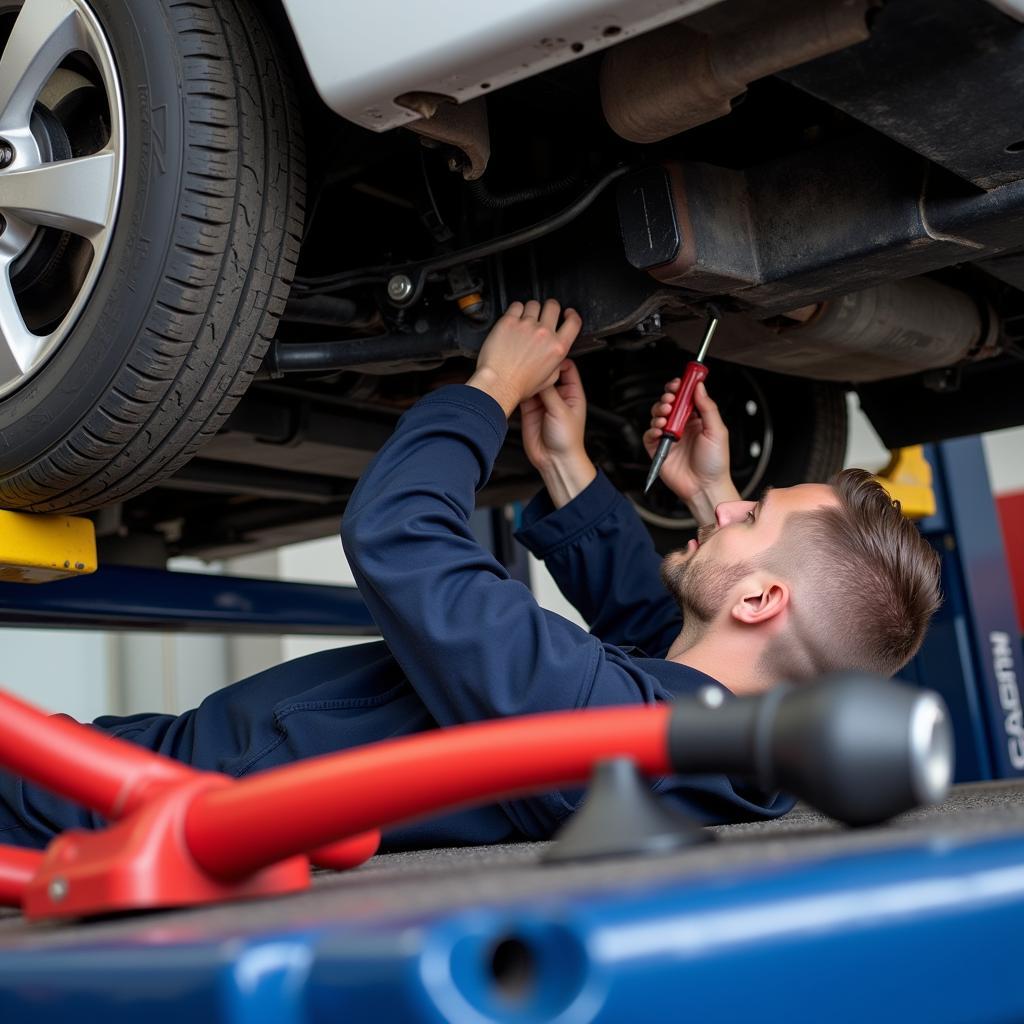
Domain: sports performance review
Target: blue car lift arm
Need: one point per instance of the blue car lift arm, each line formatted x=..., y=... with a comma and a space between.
x=122, y=597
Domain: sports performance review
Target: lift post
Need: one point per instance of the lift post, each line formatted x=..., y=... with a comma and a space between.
x=972, y=654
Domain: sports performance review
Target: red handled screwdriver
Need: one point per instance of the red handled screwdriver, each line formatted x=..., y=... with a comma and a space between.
x=682, y=406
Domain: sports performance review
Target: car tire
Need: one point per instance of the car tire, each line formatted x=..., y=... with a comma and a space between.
x=197, y=265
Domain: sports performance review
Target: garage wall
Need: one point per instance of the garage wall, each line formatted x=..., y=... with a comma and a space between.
x=60, y=670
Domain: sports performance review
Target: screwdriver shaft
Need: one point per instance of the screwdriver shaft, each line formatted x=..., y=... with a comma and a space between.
x=682, y=407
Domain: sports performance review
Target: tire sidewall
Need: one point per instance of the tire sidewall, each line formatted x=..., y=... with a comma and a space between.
x=38, y=415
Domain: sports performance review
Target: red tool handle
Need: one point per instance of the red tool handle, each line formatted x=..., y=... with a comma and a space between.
x=108, y=775
x=17, y=867
x=188, y=837
x=316, y=801
x=683, y=405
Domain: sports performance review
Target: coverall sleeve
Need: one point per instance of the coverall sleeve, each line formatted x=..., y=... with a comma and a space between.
x=604, y=562
x=473, y=642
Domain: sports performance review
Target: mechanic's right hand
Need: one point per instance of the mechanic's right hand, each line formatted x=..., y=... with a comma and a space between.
x=524, y=351
x=697, y=467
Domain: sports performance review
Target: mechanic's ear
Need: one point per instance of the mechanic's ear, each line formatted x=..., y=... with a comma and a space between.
x=761, y=602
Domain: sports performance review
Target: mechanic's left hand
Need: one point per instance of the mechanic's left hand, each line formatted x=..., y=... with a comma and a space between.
x=553, y=420
x=697, y=467
x=524, y=351
x=553, y=423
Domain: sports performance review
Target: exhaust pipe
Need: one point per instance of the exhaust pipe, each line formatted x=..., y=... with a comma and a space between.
x=891, y=330
x=676, y=78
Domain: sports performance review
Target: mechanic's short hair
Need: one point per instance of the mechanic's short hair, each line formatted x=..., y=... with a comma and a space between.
x=870, y=582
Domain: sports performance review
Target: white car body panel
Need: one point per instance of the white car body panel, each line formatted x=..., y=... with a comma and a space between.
x=1014, y=8
x=361, y=56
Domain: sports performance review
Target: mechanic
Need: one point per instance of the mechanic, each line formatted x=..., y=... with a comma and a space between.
x=808, y=579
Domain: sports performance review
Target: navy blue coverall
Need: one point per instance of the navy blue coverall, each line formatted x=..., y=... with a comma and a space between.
x=463, y=642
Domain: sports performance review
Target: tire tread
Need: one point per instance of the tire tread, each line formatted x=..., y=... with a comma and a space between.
x=225, y=280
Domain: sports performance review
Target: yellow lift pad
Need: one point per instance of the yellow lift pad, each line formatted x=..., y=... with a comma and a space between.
x=908, y=479
x=39, y=548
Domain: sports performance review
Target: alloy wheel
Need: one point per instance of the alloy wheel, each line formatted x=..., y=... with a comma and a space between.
x=61, y=170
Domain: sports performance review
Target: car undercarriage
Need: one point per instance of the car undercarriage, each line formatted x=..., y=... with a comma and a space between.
x=843, y=181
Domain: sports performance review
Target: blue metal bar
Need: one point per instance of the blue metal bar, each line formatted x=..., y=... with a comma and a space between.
x=121, y=597
x=960, y=653
x=946, y=662
x=928, y=932
x=989, y=594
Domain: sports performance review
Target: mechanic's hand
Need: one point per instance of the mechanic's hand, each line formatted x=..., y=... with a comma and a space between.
x=554, y=419
x=523, y=352
x=697, y=467
x=553, y=423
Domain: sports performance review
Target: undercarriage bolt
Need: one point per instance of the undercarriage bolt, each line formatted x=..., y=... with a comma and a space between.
x=650, y=325
x=472, y=306
x=6, y=153
x=400, y=288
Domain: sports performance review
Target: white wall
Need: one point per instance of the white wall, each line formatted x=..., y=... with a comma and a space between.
x=59, y=670
x=1004, y=454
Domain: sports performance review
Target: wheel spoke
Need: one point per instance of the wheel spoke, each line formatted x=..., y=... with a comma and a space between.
x=73, y=195
x=18, y=345
x=9, y=368
x=45, y=32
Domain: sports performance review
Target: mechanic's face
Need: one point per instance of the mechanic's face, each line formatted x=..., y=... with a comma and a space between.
x=703, y=575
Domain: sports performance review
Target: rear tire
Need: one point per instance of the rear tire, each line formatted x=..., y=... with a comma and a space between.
x=198, y=267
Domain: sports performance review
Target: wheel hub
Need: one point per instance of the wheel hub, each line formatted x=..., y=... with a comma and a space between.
x=61, y=169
